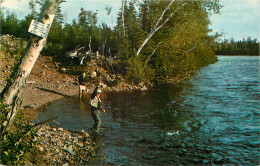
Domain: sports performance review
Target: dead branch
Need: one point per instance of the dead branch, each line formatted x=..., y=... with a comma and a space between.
x=76, y=79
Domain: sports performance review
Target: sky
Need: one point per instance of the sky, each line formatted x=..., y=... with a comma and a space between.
x=238, y=19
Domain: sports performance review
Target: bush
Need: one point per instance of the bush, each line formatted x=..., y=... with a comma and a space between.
x=17, y=143
x=135, y=70
x=11, y=46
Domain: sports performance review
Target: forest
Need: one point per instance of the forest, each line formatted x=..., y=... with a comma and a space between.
x=247, y=46
x=153, y=41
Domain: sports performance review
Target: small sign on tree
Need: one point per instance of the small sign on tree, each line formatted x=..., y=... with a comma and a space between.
x=39, y=29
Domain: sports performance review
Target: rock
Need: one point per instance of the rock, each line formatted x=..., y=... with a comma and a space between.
x=143, y=88
x=69, y=149
x=60, y=129
x=87, y=142
x=85, y=134
x=82, y=131
x=80, y=144
x=40, y=148
x=5, y=123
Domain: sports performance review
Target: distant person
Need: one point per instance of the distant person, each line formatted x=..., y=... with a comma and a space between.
x=82, y=85
x=96, y=107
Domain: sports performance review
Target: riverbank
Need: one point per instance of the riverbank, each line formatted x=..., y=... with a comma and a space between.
x=54, y=145
x=185, y=124
x=46, y=75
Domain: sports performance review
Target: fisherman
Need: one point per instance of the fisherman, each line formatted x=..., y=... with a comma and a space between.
x=82, y=85
x=96, y=107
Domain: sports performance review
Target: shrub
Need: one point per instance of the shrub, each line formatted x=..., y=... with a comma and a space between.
x=135, y=70
x=18, y=142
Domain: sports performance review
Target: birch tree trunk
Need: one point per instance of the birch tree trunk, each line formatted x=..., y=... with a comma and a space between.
x=157, y=27
x=11, y=94
x=123, y=15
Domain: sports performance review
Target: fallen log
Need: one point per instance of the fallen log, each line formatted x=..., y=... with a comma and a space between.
x=53, y=91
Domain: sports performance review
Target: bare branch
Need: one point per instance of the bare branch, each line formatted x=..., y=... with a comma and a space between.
x=196, y=46
x=153, y=52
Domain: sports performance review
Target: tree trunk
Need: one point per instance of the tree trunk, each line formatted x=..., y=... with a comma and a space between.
x=123, y=15
x=11, y=94
x=156, y=27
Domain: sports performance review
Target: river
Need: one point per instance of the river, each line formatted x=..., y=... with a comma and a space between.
x=211, y=119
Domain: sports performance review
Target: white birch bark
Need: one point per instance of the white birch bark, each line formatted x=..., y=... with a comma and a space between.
x=123, y=15
x=157, y=26
x=153, y=52
x=11, y=94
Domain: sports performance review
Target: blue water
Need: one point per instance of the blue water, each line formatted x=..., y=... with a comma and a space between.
x=209, y=120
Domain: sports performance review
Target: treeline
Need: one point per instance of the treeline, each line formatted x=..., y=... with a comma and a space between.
x=240, y=47
x=153, y=40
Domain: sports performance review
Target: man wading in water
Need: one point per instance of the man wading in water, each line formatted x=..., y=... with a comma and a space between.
x=96, y=107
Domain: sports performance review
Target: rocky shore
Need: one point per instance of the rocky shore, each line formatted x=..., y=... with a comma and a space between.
x=58, y=146
x=55, y=146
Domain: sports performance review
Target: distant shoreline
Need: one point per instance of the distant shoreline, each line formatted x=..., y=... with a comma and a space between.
x=237, y=55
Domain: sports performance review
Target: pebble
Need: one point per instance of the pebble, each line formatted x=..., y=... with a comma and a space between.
x=60, y=129
x=5, y=123
x=40, y=148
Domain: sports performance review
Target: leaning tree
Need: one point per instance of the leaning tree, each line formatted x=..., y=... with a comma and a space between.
x=11, y=94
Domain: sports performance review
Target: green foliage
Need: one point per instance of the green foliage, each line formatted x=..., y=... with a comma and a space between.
x=11, y=47
x=135, y=70
x=16, y=143
x=184, y=43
